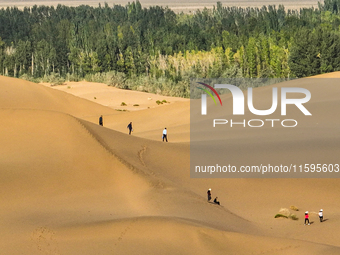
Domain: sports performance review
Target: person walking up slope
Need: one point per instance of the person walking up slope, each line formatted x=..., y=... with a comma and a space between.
x=209, y=194
x=307, y=218
x=130, y=128
x=165, y=135
x=321, y=215
x=101, y=120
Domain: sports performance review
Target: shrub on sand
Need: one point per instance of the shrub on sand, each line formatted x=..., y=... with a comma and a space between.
x=285, y=213
x=294, y=208
x=293, y=217
x=279, y=215
x=54, y=79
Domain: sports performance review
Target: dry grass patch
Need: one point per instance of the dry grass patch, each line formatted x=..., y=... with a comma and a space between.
x=294, y=208
x=285, y=213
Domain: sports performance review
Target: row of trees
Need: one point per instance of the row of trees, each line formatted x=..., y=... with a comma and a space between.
x=141, y=46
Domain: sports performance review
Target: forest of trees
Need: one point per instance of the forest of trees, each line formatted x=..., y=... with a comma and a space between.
x=154, y=49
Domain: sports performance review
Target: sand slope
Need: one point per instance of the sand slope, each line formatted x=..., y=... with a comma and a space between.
x=173, y=114
x=69, y=186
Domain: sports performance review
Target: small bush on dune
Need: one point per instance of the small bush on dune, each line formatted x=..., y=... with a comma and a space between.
x=294, y=208
x=136, y=105
x=54, y=79
x=285, y=213
x=281, y=216
x=158, y=102
x=293, y=217
x=123, y=104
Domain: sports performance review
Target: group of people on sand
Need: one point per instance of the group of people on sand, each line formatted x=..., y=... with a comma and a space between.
x=209, y=197
x=129, y=126
x=307, y=217
x=306, y=213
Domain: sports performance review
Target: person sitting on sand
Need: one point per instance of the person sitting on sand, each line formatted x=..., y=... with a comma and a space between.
x=216, y=202
x=321, y=215
x=307, y=218
x=130, y=128
x=101, y=120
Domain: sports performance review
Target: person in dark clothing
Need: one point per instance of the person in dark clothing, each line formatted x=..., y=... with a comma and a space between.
x=209, y=194
x=216, y=202
x=130, y=128
x=101, y=120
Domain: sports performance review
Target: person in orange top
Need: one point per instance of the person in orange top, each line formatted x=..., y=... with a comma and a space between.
x=307, y=218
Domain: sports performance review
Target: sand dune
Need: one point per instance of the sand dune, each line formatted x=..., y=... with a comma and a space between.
x=27, y=95
x=174, y=114
x=112, y=97
x=70, y=186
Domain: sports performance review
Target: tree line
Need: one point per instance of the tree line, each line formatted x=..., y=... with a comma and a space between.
x=154, y=49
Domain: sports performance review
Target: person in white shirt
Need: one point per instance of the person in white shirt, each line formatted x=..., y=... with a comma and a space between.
x=321, y=215
x=165, y=135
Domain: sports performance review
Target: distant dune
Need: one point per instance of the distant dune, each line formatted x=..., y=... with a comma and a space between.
x=70, y=186
x=173, y=113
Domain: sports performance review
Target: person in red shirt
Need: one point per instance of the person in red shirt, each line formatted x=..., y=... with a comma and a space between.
x=307, y=218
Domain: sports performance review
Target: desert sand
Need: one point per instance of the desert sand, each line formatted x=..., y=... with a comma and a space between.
x=70, y=186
